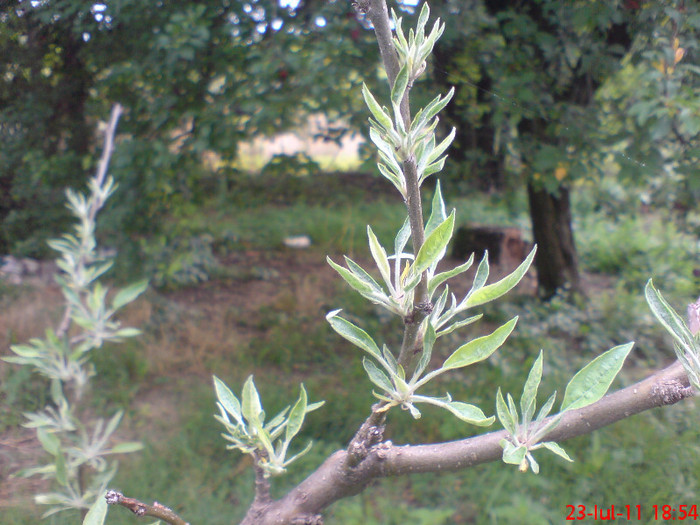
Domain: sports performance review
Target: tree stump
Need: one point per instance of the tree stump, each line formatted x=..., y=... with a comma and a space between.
x=505, y=245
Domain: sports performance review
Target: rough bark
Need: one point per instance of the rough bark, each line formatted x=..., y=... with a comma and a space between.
x=556, y=260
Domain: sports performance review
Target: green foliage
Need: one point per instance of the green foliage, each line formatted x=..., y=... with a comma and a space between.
x=78, y=448
x=249, y=432
x=196, y=79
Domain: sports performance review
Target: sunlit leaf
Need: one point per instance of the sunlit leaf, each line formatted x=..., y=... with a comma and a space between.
x=480, y=348
x=593, y=380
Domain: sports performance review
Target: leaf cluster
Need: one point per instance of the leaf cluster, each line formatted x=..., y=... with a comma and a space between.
x=246, y=429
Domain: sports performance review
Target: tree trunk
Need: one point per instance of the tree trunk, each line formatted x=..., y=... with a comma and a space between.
x=556, y=261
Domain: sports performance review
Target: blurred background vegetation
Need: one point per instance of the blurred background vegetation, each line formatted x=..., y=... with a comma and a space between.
x=587, y=109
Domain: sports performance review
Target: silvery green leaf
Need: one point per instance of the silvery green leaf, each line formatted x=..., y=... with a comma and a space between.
x=390, y=360
x=382, y=117
x=440, y=148
x=251, y=407
x=352, y=279
x=26, y=351
x=97, y=513
x=379, y=256
x=400, y=85
x=128, y=294
x=415, y=413
x=427, y=47
x=438, y=213
x=363, y=275
x=432, y=168
x=126, y=447
x=434, y=246
x=546, y=408
x=668, y=317
x=479, y=348
x=113, y=423
x=468, y=413
x=528, y=399
x=125, y=332
x=511, y=407
x=377, y=376
x=93, y=272
x=557, y=449
x=393, y=178
x=593, y=380
x=384, y=147
x=61, y=470
x=298, y=454
x=354, y=334
x=398, y=29
x=424, y=15
x=533, y=464
x=494, y=291
x=439, y=306
x=459, y=324
x=511, y=454
x=504, y=415
x=49, y=441
x=296, y=416
x=433, y=108
x=482, y=274
x=314, y=406
x=428, y=343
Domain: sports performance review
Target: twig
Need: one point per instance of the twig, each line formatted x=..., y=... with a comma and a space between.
x=142, y=509
x=97, y=203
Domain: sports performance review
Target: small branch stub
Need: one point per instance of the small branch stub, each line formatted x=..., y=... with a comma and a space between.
x=141, y=509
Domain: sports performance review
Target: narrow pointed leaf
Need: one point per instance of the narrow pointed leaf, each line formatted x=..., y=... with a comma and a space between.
x=668, y=317
x=460, y=324
x=440, y=278
x=504, y=415
x=361, y=274
x=354, y=334
x=296, y=416
x=383, y=118
x=128, y=294
x=379, y=256
x=434, y=246
x=480, y=348
x=400, y=85
x=97, y=513
x=532, y=384
x=546, y=408
x=251, y=406
x=377, y=376
x=126, y=448
x=228, y=400
x=428, y=343
x=557, y=449
x=593, y=380
x=353, y=280
x=494, y=291
x=438, y=214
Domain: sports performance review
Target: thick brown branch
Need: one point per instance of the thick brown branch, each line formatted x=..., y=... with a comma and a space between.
x=333, y=480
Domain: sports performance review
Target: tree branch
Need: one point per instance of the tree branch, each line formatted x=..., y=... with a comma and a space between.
x=142, y=509
x=333, y=480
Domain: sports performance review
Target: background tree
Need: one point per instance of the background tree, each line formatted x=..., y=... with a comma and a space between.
x=194, y=77
x=530, y=82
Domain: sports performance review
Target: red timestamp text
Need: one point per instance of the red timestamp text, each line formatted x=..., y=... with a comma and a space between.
x=632, y=512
